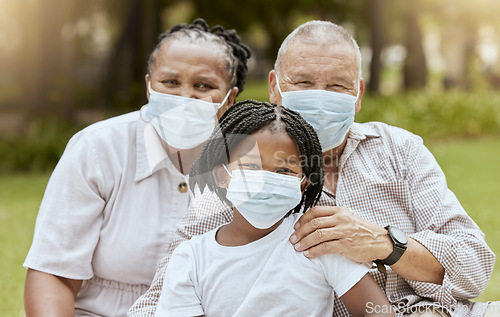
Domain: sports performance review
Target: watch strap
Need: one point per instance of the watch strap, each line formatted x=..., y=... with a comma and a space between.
x=397, y=252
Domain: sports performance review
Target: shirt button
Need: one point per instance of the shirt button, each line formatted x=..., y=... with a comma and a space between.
x=183, y=187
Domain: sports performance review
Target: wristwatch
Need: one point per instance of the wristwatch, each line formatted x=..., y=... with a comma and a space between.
x=399, y=242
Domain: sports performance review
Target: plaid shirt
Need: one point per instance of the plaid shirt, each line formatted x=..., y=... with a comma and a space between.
x=387, y=176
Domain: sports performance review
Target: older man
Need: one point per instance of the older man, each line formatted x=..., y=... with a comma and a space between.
x=385, y=198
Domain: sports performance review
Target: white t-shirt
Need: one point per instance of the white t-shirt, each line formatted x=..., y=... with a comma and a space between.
x=108, y=214
x=264, y=278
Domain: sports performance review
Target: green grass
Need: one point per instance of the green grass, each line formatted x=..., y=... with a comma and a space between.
x=473, y=174
x=20, y=196
x=470, y=166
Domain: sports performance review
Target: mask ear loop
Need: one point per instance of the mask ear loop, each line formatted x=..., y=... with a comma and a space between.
x=227, y=171
x=278, y=85
x=225, y=98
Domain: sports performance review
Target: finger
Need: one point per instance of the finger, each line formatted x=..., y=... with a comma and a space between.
x=328, y=247
x=318, y=211
x=316, y=218
x=314, y=225
x=317, y=237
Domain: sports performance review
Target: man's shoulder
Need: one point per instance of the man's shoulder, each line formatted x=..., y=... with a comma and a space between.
x=387, y=133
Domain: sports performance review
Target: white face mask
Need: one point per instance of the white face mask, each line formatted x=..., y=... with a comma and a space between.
x=262, y=197
x=182, y=122
x=330, y=113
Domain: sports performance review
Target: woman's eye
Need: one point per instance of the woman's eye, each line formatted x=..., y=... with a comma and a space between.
x=170, y=82
x=204, y=87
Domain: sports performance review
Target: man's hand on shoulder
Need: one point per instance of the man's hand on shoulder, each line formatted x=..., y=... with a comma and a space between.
x=329, y=229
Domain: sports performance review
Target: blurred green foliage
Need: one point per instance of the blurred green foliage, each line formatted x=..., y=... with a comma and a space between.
x=432, y=115
x=437, y=114
x=38, y=148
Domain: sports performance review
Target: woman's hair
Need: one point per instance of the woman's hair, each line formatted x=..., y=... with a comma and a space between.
x=245, y=118
x=237, y=53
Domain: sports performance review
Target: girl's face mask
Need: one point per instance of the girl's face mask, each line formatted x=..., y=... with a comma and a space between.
x=262, y=197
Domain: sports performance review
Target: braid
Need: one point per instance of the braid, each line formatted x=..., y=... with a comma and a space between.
x=310, y=149
x=245, y=118
x=237, y=52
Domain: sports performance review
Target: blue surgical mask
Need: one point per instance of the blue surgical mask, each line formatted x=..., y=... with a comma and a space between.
x=182, y=122
x=330, y=113
x=262, y=197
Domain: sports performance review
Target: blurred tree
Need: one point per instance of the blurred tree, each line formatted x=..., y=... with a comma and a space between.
x=278, y=18
x=459, y=23
x=415, y=66
x=123, y=83
x=378, y=36
x=42, y=72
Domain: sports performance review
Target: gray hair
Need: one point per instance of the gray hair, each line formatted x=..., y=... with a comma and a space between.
x=319, y=32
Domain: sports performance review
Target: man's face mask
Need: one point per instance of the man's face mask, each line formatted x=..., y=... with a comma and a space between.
x=330, y=113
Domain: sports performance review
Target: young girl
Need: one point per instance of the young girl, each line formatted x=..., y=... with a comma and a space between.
x=265, y=162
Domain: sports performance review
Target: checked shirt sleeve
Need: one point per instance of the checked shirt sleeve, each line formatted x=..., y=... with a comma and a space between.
x=206, y=213
x=445, y=229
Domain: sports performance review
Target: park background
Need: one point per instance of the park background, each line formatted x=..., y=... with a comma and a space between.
x=431, y=67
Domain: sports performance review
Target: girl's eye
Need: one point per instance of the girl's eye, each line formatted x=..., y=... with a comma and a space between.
x=249, y=166
x=287, y=171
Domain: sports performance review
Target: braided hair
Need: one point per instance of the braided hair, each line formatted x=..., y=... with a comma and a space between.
x=249, y=116
x=237, y=52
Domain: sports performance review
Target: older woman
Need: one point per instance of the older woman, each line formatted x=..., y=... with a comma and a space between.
x=120, y=187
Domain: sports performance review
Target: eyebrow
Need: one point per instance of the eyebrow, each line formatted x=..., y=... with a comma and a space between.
x=162, y=72
x=290, y=160
x=254, y=156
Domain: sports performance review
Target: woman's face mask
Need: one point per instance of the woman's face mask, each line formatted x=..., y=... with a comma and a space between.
x=182, y=122
x=330, y=113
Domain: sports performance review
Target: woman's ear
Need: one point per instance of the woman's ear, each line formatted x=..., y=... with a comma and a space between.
x=221, y=176
x=147, y=79
x=305, y=183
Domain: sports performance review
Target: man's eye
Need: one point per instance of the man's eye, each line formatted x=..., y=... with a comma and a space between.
x=304, y=83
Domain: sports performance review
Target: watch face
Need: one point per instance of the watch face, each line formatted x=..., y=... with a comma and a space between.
x=399, y=235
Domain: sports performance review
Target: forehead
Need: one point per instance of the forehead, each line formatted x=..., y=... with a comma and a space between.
x=191, y=55
x=321, y=60
x=266, y=145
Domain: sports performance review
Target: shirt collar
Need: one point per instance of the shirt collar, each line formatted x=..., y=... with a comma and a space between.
x=360, y=132
x=151, y=155
x=357, y=133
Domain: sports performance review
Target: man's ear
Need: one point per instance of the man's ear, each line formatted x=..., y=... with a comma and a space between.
x=147, y=79
x=274, y=94
x=221, y=176
x=361, y=92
